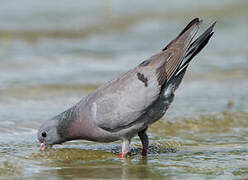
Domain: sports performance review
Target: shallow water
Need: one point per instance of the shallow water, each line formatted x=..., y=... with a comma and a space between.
x=54, y=53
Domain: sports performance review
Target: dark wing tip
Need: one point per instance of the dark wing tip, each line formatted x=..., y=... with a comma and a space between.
x=212, y=26
x=194, y=21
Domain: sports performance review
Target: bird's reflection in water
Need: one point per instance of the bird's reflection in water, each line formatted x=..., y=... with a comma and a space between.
x=135, y=170
x=101, y=168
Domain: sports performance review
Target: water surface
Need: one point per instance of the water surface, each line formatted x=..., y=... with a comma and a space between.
x=54, y=53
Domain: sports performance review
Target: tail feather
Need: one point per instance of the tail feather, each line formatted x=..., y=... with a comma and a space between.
x=201, y=38
x=195, y=48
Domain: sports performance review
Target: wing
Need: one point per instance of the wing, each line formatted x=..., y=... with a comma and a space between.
x=121, y=102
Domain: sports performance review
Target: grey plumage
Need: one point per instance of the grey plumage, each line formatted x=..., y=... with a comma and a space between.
x=128, y=104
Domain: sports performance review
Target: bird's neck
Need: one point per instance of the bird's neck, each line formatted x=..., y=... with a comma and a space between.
x=65, y=119
x=79, y=126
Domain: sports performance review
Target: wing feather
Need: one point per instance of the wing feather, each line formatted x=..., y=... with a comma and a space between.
x=126, y=100
x=121, y=102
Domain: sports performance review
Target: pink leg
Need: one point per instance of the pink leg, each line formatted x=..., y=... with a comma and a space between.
x=125, y=148
x=144, y=151
x=145, y=142
x=123, y=155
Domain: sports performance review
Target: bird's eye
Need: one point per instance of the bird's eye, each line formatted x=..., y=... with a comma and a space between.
x=44, y=134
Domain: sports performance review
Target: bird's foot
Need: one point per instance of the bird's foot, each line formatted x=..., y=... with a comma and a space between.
x=144, y=152
x=123, y=155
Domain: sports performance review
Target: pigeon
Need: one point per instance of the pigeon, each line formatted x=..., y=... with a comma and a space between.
x=128, y=104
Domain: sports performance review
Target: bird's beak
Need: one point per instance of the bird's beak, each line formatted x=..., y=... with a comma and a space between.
x=42, y=146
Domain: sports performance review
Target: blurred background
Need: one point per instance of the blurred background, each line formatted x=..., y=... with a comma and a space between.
x=53, y=53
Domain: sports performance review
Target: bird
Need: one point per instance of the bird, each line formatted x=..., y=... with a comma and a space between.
x=128, y=104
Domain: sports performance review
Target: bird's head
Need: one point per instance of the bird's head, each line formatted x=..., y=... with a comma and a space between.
x=48, y=133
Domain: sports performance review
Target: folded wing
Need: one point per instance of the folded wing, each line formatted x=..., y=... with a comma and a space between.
x=119, y=103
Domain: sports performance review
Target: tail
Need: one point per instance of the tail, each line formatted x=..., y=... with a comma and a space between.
x=191, y=52
x=174, y=53
x=195, y=48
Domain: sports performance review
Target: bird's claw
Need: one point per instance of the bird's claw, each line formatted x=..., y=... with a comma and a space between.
x=123, y=155
x=144, y=152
